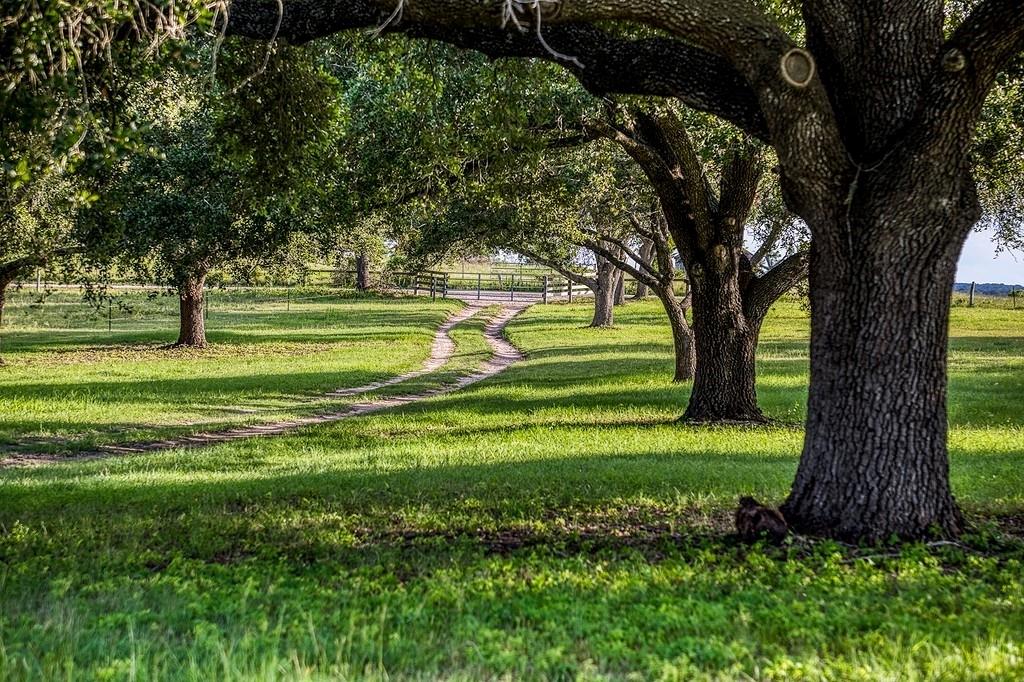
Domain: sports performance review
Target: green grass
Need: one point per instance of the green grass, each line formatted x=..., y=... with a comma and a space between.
x=551, y=523
x=70, y=383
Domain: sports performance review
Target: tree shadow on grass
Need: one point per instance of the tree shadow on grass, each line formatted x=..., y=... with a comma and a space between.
x=203, y=403
x=637, y=544
x=188, y=391
x=654, y=505
x=32, y=343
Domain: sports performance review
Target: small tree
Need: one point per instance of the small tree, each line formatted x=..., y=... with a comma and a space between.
x=176, y=214
x=224, y=180
x=603, y=282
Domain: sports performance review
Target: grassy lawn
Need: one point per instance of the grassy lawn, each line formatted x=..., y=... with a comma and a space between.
x=72, y=383
x=553, y=522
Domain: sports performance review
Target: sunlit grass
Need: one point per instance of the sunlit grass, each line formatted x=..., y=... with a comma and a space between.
x=69, y=382
x=554, y=522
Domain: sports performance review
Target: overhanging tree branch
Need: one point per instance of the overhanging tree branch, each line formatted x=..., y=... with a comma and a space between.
x=647, y=158
x=636, y=267
x=741, y=176
x=589, y=282
x=639, y=228
x=666, y=133
x=765, y=290
x=988, y=39
x=618, y=261
x=11, y=269
x=661, y=67
x=783, y=79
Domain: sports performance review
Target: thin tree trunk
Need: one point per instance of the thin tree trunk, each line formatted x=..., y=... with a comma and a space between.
x=362, y=272
x=682, y=338
x=620, y=288
x=647, y=254
x=192, y=332
x=875, y=462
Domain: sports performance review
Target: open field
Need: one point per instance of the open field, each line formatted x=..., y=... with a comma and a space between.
x=72, y=383
x=552, y=522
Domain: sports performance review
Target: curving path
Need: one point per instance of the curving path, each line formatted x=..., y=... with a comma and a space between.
x=441, y=352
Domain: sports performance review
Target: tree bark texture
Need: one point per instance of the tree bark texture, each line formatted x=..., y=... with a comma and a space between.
x=647, y=258
x=604, y=289
x=682, y=338
x=192, y=329
x=620, y=289
x=724, y=386
x=363, y=282
x=875, y=462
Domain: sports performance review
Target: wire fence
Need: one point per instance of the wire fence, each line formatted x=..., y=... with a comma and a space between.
x=39, y=305
x=972, y=296
x=512, y=286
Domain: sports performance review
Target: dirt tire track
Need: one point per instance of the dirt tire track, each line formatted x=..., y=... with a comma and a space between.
x=442, y=350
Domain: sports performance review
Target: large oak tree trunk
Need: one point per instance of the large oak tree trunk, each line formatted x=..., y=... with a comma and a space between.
x=724, y=385
x=192, y=332
x=875, y=462
x=682, y=338
x=362, y=272
x=726, y=342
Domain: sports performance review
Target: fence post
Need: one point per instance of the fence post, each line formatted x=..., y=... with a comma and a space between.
x=568, y=287
x=110, y=316
x=479, y=284
x=512, y=287
x=970, y=301
x=433, y=287
x=444, y=293
x=416, y=284
x=545, y=289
